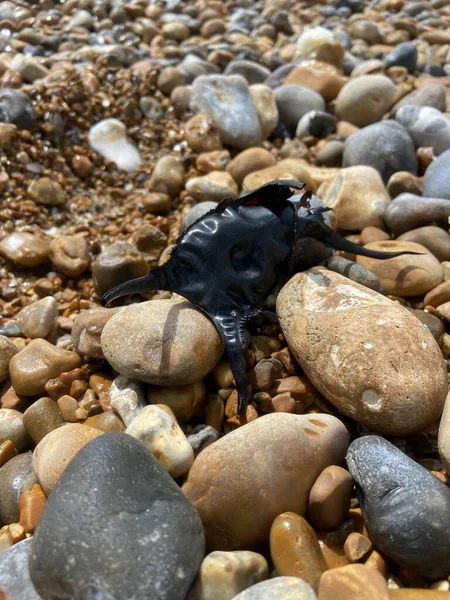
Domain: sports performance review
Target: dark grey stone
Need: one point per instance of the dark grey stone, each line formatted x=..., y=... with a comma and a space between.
x=330, y=154
x=406, y=509
x=432, y=94
x=354, y=271
x=251, y=71
x=385, y=146
x=436, y=182
x=408, y=211
x=16, y=477
x=315, y=123
x=279, y=75
x=14, y=572
x=16, y=107
x=403, y=55
x=193, y=66
x=116, y=526
x=294, y=101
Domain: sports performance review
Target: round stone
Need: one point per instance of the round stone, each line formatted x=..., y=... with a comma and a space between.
x=247, y=161
x=38, y=320
x=294, y=101
x=183, y=400
x=70, y=255
x=329, y=500
x=46, y=191
x=364, y=100
x=166, y=343
x=24, y=249
x=12, y=428
x=109, y=138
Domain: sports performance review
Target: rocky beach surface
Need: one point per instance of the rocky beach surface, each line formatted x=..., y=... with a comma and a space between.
x=126, y=470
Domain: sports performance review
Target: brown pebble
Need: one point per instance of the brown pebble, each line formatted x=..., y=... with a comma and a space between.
x=372, y=234
x=68, y=407
x=417, y=594
x=106, y=421
x=357, y=547
x=329, y=500
x=353, y=582
x=7, y=451
x=157, y=203
x=438, y=295
x=295, y=549
x=70, y=255
x=24, y=249
x=215, y=411
x=283, y=403
x=31, y=504
x=376, y=561
x=81, y=166
x=42, y=417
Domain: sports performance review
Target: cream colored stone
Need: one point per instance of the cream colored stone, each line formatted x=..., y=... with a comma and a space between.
x=248, y=161
x=126, y=398
x=289, y=168
x=365, y=100
x=37, y=320
x=214, y=186
x=266, y=107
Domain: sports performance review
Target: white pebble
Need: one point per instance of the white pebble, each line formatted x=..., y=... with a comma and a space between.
x=127, y=398
x=109, y=138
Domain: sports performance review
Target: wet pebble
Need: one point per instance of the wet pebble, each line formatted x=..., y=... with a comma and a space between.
x=46, y=191
x=266, y=107
x=329, y=500
x=294, y=101
x=427, y=126
x=432, y=94
x=16, y=477
x=70, y=255
x=25, y=249
x=109, y=138
x=38, y=320
x=403, y=55
x=251, y=71
x=247, y=161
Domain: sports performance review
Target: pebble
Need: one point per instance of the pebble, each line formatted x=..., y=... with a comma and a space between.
x=16, y=477
x=37, y=363
x=353, y=582
x=385, y=146
x=201, y=437
x=109, y=138
x=435, y=239
x=354, y=271
x=319, y=77
x=184, y=401
x=427, y=126
x=266, y=107
x=168, y=176
x=227, y=101
x=196, y=212
x=31, y=504
x=251, y=71
x=248, y=161
x=105, y=421
x=152, y=109
x=279, y=588
x=87, y=330
x=288, y=168
x=118, y=263
x=264, y=373
x=157, y=429
x=7, y=350
x=316, y=124
x=403, y=55
x=432, y=94
x=141, y=519
x=330, y=154
x=24, y=249
x=222, y=575
x=400, y=499
x=402, y=182
x=357, y=197
x=408, y=211
x=192, y=66
x=407, y=275
x=364, y=100
x=70, y=255
x=212, y=187
x=329, y=499
x=42, y=417
x=7, y=451
x=126, y=398
x=12, y=428
x=46, y=191
x=436, y=182
x=255, y=497
x=201, y=134
x=357, y=547
x=294, y=101
x=438, y=295
x=56, y=450
x=295, y=550
x=14, y=572
x=16, y=107
x=167, y=343
x=354, y=370
x=38, y=320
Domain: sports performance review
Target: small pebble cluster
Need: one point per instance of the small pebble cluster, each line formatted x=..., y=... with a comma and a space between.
x=126, y=471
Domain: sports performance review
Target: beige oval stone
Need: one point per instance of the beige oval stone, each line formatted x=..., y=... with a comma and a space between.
x=214, y=186
x=329, y=500
x=7, y=350
x=369, y=356
x=319, y=77
x=295, y=549
x=353, y=582
x=288, y=168
x=435, y=239
x=55, y=451
x=168, y=176
x=39, y=361
x=248, y=161
x=24, y=249
x=42, y=417
x=365, y=100
x=407, y=275
x=162, y=342
x=438, y=295
x=358, y=198
x=222, y=575
x=266, y=107
x=37, y=320
x=70, y=255
x=12, y=428
x=242, y=482
x=183, y=400
x=46, y=191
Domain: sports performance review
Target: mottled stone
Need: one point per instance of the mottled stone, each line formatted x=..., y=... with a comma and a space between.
x=14, y=572
x=87, y=330
x=16, y=477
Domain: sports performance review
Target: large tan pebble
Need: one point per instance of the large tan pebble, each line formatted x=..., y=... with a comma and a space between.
x=365, y=100
x=435, y=239
x=264, y=101
x=38, y=362
x=87, y=330
x=222, y=575
x=369, y=356
x=46, y=191
x=119, y=262
x=42, y=417
x=353, y=582
x=184, y=400
x=407, y=275
x=329, y=500
x=52, y=455
x=279, y=588
x=38, y=320
x=214, y=186
x=242, y=482
x=7, y=350
x=168, y=176
x=70, y=255
x=288, y=168
x=157, y=429
x=295, y=549
x=438, y=295
x=248, y=161
x=373, y=234
x=12, y=428
x=162, y=342
x=319, y=77
x=24, y=249
x=357, y=196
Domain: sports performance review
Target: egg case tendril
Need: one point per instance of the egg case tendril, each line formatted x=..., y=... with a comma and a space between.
x=228, y=261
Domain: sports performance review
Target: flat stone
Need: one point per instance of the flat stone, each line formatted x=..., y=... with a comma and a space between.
x=14, y=572
x=403, y=55
x=256, y=496
x=279, y=588
x=190, y=346
x=399, y=499
x=409, y=211
x=248, y=161
x=16, y=477
x=134, y=515
x=38, y=320
x=439, y=295
x=362, y=367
